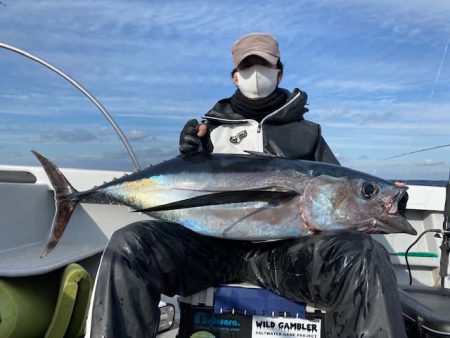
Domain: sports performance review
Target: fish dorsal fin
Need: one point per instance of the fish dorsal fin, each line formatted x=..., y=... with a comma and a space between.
x=261, y=154
x=269, y=195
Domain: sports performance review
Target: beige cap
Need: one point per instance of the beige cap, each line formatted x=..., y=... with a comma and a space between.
x=260, y=44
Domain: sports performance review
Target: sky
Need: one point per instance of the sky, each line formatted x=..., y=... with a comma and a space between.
x=377, y=74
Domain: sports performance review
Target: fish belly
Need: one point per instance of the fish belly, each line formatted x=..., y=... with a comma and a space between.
x=241, y=221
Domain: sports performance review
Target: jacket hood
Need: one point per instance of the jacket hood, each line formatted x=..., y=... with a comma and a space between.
x=291, y=111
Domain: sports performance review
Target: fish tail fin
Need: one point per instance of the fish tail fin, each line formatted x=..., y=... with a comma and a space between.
x=66, y=199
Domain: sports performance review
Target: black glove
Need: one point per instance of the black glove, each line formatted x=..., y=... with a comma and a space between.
x=190, y=142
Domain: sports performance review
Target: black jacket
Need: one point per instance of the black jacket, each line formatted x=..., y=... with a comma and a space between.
x=284, y=132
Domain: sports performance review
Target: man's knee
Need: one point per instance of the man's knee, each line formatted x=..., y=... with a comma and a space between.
x=350, y=249
x=363, y=245
x=135, y=236
x=359, y=251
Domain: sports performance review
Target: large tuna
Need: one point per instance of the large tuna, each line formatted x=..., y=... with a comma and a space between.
x=246, y=197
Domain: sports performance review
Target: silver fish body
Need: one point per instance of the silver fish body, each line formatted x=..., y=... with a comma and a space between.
x=245, y=197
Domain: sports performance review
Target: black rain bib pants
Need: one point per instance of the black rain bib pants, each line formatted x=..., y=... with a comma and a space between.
x=348, y=274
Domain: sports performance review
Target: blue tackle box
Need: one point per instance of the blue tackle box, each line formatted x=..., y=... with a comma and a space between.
x=242, y=311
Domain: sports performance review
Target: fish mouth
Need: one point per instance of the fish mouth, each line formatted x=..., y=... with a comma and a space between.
x=390, y=220
x=391, y=207
x=394, y=224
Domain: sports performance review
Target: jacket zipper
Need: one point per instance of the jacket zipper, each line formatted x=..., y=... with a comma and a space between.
x=246, y=120
x=259, y=128
x=275, y=112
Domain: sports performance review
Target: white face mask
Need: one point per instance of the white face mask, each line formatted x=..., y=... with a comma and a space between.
x=257, y=81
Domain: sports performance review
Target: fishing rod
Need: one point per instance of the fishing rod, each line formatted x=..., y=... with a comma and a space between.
x=438, y=73
x=85, y=92
x=445, y=232
x=417, y=151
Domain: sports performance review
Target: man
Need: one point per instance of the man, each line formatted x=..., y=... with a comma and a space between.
x=349, y=275
x=259, y=116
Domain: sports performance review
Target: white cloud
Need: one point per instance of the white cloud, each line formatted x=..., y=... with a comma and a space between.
x=359, y=85
x=118, y=159
x=67, y=136
x=137, y=135
x=432, y=163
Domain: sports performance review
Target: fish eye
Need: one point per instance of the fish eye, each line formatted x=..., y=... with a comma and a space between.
x=369, y=189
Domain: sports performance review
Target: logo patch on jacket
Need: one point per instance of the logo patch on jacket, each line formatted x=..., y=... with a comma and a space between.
x=239, y=137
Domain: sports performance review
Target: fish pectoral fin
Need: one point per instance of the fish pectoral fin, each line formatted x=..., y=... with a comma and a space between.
x=269, y=195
